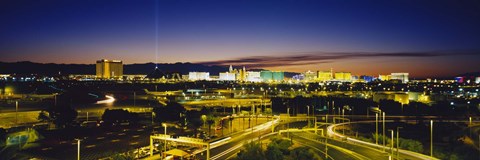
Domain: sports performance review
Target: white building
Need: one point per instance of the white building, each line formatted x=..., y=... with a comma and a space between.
x=195, y=76
x=227, y=76
x=310, y=76
x=253, y=76
x=399, y=76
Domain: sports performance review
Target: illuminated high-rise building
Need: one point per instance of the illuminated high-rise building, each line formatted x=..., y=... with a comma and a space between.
x=269, y=76
x=227, y=76
x=109, y=69
x=384, y=77
x=343, y=76
x=366, y=78
x=400, y=76
x=310, y=76
x=241, y=74
x=325, y=76
x=196, y=76
x=253, y=76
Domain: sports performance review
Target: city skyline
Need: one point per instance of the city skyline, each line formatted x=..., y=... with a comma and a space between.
x=426, y=39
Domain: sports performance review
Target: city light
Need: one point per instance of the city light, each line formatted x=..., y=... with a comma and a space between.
x=109, y=100
x=244, y=80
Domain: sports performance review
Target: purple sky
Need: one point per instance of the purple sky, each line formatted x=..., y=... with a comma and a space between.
x=425, y=38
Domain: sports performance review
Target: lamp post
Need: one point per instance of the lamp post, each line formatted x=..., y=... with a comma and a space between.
x=16, y=112
x=376, y=128
x=288, y=123
x=333, y=107
x=134, y=98
x=308, y=114
x=383, y=121
x=78, y=149
x=391, y=142
x=343, y=119
x=308, y=110
x=431, y=138
x=204, y=119
x=55, y=96
x=326, y=139
x=470, y=121
x=398, y=140
x=165, y=142
x=153, y=115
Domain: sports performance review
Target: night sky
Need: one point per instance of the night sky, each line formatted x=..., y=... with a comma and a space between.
x=425, y=38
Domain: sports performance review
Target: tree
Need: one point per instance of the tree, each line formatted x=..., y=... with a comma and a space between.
x=411, y=145
x=281, y=144
x=123, y=156
x=3, y=134
x=43, y=116
x=172, y=112
x=61, y=116
x=273, y=153
x=251, y=151
x=111, y=116
x=302, y=153
x=210, y=122
x=194, y=120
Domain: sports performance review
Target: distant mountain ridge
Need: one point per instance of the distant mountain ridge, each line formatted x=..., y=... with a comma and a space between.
x=26, y=67
x=470, y=74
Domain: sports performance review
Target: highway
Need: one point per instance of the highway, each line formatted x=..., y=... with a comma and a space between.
x=339, y=150
x=336, y=149
x=404, y=154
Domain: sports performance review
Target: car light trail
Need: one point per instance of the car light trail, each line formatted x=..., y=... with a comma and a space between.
x=109, y=99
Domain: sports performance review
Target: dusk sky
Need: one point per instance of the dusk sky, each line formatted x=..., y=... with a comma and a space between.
x=424, y=38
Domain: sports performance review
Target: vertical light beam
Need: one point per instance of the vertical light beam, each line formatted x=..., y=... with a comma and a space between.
x=156, y=34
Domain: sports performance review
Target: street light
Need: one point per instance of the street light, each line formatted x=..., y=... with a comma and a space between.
x=308, y=114
x=470, y=121
x=376, y=128
x=308, y=110
x=431, y=138
x=165, y=142
x=153, y=115
x=398, y=140
x=383, y=121
x=55, y=96
x=16, y=112
x=326, y=139
x=288, y=123
x=391, y=142
x=78, y=149
x=343, y=120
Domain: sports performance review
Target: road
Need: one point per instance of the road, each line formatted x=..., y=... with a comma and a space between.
x=338, y=149
x=404, y=154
